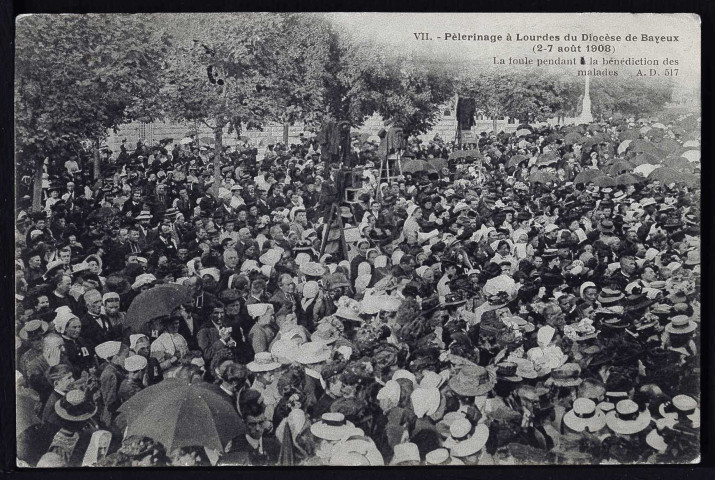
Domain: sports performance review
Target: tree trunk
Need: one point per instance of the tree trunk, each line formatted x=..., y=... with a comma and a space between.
x=37, y=185
x=285, y=133
x=97, y=161
x=218, y=151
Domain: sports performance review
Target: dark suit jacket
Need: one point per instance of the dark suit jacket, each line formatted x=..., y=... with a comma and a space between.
x=271, y=449
x=93, y=334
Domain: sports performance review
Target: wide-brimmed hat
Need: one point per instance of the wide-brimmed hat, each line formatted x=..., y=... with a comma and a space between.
x=441, y=456
x=614, y=322
x=325, y=333
x=333, y=427
x=33, y=330
x=313, y=269
x=508, y=371
x=627, y=419
x=465, y=439
x=606, y=226
x=346, y=313
x=75, y=407
x=681, y=324
x=567, y=375
x=471, y=381
x=585, y=416
x=693, y=258
x=263, y=362
x=144, y=215
x=609, y=295
x=425, y=401
x=405, y=452
x=681, y=405
x=312, y=352
x=453, y=299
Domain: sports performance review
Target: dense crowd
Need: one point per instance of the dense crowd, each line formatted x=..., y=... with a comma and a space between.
x=534, y=299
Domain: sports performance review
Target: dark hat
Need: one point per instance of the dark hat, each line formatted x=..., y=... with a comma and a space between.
x=606, y=226
x=229, y=296
x=453, y=299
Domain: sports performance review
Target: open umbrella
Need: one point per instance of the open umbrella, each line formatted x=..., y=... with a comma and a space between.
x=691, y=144
x=438, y=163
x=516, y=160
x=628, y=179
x=158, y=301
x=668, y=145
x=542, y=177
x=645, y=158
x=178, y=414
x=678, y=163
x=623, y=146
x=655, y=133
x=588, y=176
x=208, y=140
x=604, y=181
x=473, y=153
x=659, y=125
x=667, y=175
x=573, y=137
x=524, y=126
x=631, y=134
x=619, y=167
x=186, y=140
x=413, y=166
x=644, y=169
x=691, y=155
x=548, y=158
x=645, y=129
x=523, y=132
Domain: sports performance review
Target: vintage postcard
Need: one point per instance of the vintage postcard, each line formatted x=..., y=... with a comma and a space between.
x=357, y=239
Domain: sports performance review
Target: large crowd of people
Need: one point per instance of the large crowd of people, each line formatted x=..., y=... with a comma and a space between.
x=534, y=299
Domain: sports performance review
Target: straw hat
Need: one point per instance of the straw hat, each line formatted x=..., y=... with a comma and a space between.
x=312, y=352
x=680, y=324
x=325, y=333
x=135, y=363
x=585, y=416
x=464, y=439
x=681, y=404
x=313, y=269
x=263, y=362
x=332, y=426
x=356, y=449
x=75, y=407
x=441, y=456
x=33, y=330
x=107, y=350
x=626, y=418
x=471, y=381
x=405, y=452
x=346, y=313
x=567, y=375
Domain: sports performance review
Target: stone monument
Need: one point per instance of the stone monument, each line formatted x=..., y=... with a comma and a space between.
x=586, y=116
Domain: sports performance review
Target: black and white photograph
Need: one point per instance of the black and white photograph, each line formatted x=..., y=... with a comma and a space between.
x=357, y=239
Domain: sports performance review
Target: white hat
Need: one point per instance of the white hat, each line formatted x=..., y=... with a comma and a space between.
x=626, y=419
x=62, y=319
x=134, y=338
x=585, y=416
x=550, y=228
x=332, y=426
x=135, y=363
x=313, y=352
x=411, y=209
x=107, y=350
x=263, y=362
x=402, y=373
x=425, y=401
x=405, y=452
x=248, y=266
x=256, y=310
x=213, y=272
x=391, y=391
x=271, y=257
x=441, y=456
x=143, y=279
x=464, y=440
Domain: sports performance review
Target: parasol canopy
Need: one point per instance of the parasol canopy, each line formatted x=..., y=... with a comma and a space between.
x=414, y=166
x=628, y=179
x=678, y=163
x=158, y=301
x=523, y=132
x=691, y=144
x=438, y=163
x=588, y=176
x=667, y=175
x=645, y=158
x=619, y=167
x=691, y=155
x=548, y=158
x=631, y=134
x=644, y=169
x=604, y=181
x=542, y=177
x=465, y=154
x=516, y=160
x=623, y=146
x=186, y=140
x=178, y=414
